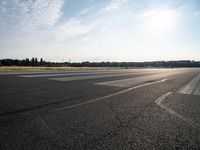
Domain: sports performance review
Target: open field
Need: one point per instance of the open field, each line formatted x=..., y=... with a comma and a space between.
x=17, y=68
x=100, y=109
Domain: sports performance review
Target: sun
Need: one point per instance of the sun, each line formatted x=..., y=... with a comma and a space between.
x=161, y=21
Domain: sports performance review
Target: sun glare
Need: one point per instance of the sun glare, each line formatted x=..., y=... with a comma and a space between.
x=161, y=21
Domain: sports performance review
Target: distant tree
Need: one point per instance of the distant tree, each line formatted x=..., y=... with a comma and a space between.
x=27, y=62
x=33, y=61
x=6, y=62
x=36, y=62
x=41, y=62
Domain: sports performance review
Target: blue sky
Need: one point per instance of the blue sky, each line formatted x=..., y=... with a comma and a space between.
x=100, y=30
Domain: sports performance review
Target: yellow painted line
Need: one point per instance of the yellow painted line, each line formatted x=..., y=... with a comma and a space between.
x=172, y=112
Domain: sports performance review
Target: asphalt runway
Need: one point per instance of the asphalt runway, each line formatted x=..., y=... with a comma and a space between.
x=104, y=109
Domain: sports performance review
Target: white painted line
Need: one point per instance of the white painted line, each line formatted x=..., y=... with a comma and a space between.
x=193, y=87
x=135, y=81
x=21, y=72
x=64, y=74
x=197, y=91
x=104, y=97
x=71, y=73
x=92, y=77
x=49, y=72
x=160, y=99
x=179, y=116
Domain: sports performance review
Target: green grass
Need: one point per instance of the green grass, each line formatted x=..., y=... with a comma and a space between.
x=17, y=68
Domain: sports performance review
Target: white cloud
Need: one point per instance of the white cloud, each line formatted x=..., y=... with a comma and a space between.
x=159, y=12
x=148, y=13
x=72, y=28
x=113, y=5
x=30, y=14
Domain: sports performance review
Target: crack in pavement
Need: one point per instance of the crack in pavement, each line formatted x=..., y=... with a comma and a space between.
x=77, y=105
x=125, y=124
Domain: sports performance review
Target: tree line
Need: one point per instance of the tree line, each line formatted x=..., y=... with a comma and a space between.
x=40, y=62
x=24, y=62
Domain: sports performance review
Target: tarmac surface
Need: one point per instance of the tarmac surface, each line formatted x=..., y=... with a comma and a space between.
x=104, y=109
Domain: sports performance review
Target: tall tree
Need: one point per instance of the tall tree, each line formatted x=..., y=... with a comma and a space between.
x=41, y=61
x=36, y=62
x=33, y=61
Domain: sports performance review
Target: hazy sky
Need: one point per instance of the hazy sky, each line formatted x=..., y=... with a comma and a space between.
x=100, y=30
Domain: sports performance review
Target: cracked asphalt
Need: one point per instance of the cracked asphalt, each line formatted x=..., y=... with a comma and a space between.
x=37, y=112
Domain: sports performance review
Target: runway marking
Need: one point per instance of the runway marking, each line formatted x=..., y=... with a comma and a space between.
x=38, y=74
x=21, y=73
x=34, y=72
x=64, y=74
x=107, y=96
x=134, y=81
x=65, y=79
x=179, y=116
x=193, y=87
x=160, y=99
x=21, y=118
